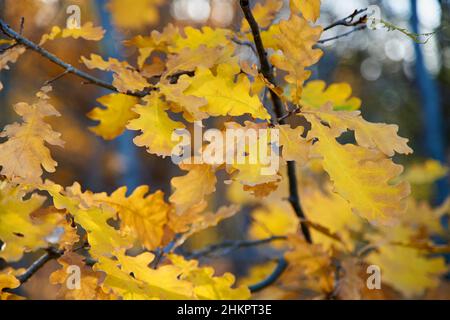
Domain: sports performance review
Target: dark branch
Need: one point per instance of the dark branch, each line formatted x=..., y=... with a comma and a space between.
x=50, y=254
x=233, y=245
x=281, y=266
x=349, y=21
x=360, y=28
x=21, y=40
x=267, y=71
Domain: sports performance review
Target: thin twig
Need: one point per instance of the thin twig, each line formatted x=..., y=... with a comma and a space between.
x=233, y=245
x=69, y=68
x=349, y=21
x=2, y=51
x=272, y=278
x=59, y=76
x=246, y=44
x=267, y=71
x=360, y=28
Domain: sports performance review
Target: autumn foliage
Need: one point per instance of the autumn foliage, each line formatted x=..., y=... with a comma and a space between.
x=354, y=207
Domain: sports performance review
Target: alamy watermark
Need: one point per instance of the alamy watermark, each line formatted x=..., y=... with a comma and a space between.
x=234, y=146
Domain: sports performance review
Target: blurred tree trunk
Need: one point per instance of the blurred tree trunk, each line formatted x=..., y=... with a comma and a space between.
x=111, y=47
x=433, y=126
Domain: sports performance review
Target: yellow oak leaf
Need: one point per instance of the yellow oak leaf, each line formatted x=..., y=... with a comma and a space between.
x=141, y=214
x=157, y=41
x=19, y=231
x=189, y=105
x=264, y=14
x=189, y=59
x=275, y=219
x=103, y=238
x=86, y=31
x=89, y=282
x=341, y=220
x=114, y=118
x=309, y=266
x=206, y=285
x=126, y=78
x=361, y=176
x=156, y=126
x=407, y=270
x=426, y=172
x=192, y=188
x=315, y=95
x=255, y=157
x=131, y=278
x=296, y=40
x=134, y=14
x=190, y=224
x=25, y=151
x=310, y=9
x=224, y=96
x=206, y=36
x=10, y=56
x=295, y=148
x=8, y=281
x=381, y=136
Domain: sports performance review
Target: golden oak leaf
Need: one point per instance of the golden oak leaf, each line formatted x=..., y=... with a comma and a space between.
x=255, y=156
x=309, y=266
x=310, y=9
x=132, y=279
x=315, y=95
x=275, y=219
x=8, y=281
x=10, y=56
x=350, y=284
x=157, y=41
x=192, y=188
x=189, y=105
x=25, y=151
x=189, y=59
x=142, y=215
x=426, y=172
x=341, y=220
x=269, y=37
x=296, y=40
x=206, y=285
x=126, y=78
x=407, y=270
x=224, y=96
x=381, y=136
x=207, y=36
x=103, y=239
x=191, y=224
x=264, y=14
x=156, y=126
x=89, y=280
x=361, y=176
x=114, y=118
x=86, y=31
x=134, y=14
x=295, y=148
x=19, y=231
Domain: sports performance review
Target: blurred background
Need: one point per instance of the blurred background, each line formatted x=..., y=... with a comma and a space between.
x=398, y=80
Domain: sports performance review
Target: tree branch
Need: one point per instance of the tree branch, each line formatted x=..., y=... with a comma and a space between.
x=50, y=254
x=349, y=21
x=233, y=245
x=21, y=40
x=360, y=28
x=267, y=71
